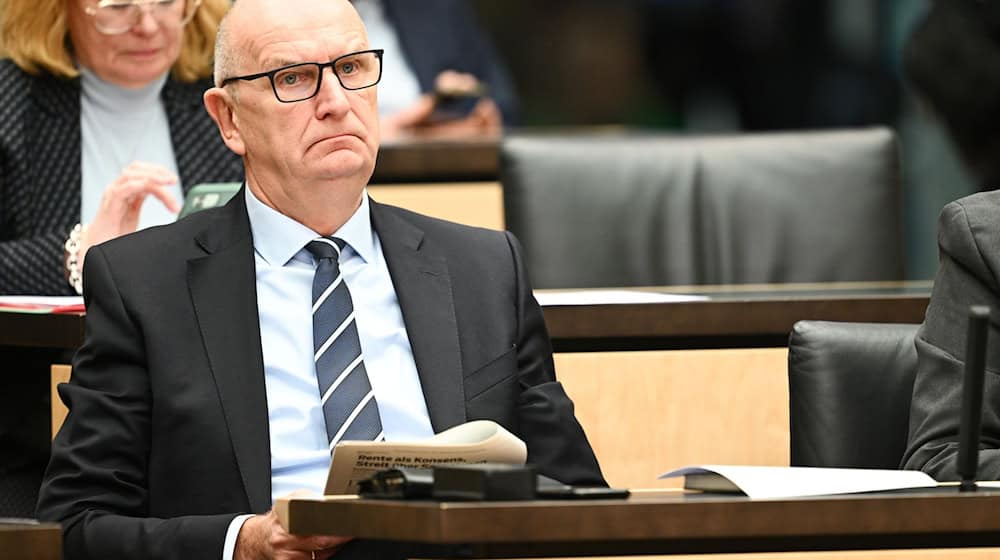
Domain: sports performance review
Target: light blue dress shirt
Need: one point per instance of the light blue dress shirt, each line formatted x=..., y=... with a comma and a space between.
x=300, y=455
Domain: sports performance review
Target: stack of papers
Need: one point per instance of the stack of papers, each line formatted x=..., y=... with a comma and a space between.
x=478, y=441
x=790, y=482
x=548, y=298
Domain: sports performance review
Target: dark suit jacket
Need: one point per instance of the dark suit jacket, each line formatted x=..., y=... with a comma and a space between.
x=969, y=240
x=40, y=169
x=167, y=435
x=438, y=35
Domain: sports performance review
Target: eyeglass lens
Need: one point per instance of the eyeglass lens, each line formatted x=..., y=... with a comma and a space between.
x=114, y=17
x=302, y=81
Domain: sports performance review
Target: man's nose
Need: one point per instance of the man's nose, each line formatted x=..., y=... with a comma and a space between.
x=332, y=97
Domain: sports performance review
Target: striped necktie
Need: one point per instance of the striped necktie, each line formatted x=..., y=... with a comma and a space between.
x=348, y=401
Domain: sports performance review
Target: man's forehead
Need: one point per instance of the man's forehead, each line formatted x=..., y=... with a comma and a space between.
x=278, y=49
x=275, y=30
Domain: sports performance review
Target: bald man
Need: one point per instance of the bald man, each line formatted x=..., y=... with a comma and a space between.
x=199, y=395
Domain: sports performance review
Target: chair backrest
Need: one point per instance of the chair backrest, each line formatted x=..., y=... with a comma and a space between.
x=850, y=386
x=601, y=211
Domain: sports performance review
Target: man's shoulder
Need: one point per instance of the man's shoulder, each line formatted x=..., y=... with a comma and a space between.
x=989, y=200
x=177, y=241
x=967, y=233
x=972, y=215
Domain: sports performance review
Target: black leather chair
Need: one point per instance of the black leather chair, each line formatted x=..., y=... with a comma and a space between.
x=602, y=210
x=850, y=386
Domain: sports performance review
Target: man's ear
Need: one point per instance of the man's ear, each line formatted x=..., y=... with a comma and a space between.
x=221, y=107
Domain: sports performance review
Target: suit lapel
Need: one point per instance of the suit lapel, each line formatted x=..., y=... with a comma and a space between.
x=224, y=294
x=423, y=285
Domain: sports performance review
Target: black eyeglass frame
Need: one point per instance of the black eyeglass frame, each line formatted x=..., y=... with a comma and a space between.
x=319, y=79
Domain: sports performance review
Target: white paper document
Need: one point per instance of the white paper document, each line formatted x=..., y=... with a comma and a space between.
x=603, y=297
x=50, y=301
x=478, y=441
x=789, y=482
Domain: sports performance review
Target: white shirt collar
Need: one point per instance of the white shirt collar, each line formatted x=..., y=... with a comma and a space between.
x=278, y=238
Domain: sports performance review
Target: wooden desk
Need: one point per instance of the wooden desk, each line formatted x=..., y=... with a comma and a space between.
x=418, y=160
x=733, y=317
x=748, y=316
x=660, y=523
x=62, y=331
x=477, y=204
x=454, y=180
x=34, y=541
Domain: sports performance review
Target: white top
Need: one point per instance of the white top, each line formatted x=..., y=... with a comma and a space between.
x=119, y=126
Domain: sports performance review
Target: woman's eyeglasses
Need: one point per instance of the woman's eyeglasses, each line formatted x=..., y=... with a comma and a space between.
x=114, y=17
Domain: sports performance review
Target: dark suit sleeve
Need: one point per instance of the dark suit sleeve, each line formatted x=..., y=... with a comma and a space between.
x=28, y=265
x=969, y=253
x=556, y=442
x=96, y=483
x=32, y=265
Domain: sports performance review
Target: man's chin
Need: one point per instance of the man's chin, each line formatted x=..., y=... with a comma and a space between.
x=339, y=166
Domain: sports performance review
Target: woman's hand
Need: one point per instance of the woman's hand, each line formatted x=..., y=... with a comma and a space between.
x=418, y=120
x=122, y=201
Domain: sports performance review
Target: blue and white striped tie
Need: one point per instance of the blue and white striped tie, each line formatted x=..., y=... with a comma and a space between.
x=349, y=405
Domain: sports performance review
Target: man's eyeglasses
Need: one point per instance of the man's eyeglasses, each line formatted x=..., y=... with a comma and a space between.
x=298, y=82
x=114, y=17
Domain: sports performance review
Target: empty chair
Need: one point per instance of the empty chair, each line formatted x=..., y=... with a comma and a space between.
x=603, y=211
x=849, y=387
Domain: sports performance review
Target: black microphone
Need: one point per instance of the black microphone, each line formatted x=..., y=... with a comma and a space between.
x=972, y=397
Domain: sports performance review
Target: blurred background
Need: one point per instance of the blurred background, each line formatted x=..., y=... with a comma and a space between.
x=706, y=66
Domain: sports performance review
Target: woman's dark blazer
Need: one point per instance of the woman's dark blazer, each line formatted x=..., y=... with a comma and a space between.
x=40, y=169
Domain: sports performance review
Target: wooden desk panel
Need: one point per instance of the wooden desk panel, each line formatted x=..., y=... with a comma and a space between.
x=58, y=374
x=660, y=524
x=416, y=160
x=732, y=317
x=473, y=204
x=667, y=409
x=21, y=541
x=62, y=331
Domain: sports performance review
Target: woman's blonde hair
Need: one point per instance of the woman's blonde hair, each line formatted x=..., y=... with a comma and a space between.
x=35, y=35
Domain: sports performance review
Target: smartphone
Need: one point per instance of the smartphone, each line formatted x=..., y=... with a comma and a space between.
x=453, y=105
x=550, y=489
x=567, y=492
x=208, y=195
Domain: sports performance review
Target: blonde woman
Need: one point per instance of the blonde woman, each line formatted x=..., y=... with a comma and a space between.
x=102, y=127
